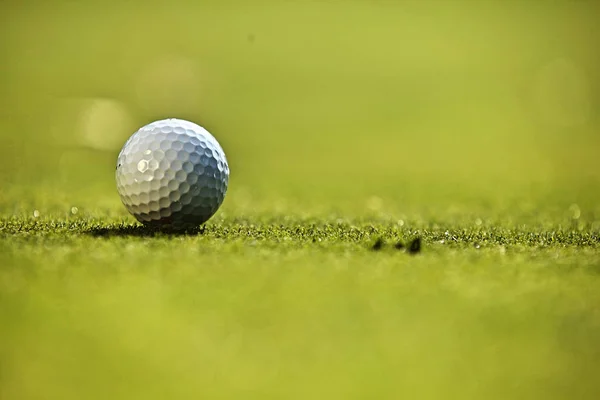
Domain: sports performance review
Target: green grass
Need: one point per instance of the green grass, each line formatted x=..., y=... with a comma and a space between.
x=471, y=125
x=282, y=307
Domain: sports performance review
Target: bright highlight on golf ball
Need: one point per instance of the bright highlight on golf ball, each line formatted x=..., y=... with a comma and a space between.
x=172, y=173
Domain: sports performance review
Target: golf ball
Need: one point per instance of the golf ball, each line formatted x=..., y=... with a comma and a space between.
x=172, y=173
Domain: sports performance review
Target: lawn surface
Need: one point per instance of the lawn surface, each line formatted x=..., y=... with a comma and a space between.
x=349, y=128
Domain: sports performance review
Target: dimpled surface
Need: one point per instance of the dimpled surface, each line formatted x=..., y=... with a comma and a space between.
x=172, y=173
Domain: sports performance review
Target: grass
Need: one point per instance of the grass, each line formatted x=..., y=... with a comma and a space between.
x=350, y=129
x=281, y=307
x=305, y=232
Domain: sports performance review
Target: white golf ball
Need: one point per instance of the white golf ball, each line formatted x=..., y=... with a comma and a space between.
x=172, y=173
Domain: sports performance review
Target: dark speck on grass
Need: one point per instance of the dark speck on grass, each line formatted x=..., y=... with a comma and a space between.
x=415, y=246
x=399, y=246
x=378, y=245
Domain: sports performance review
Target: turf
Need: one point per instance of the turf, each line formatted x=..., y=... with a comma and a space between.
x=412, y=213
x=283, y=307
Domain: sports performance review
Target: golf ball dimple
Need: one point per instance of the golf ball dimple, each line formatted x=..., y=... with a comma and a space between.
x=172, y=173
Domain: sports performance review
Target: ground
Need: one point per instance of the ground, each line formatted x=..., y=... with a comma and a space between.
x=349, y=129
x=267, y=306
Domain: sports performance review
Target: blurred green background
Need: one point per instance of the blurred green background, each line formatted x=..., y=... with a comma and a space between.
x=321, y=103
x=457, y=119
